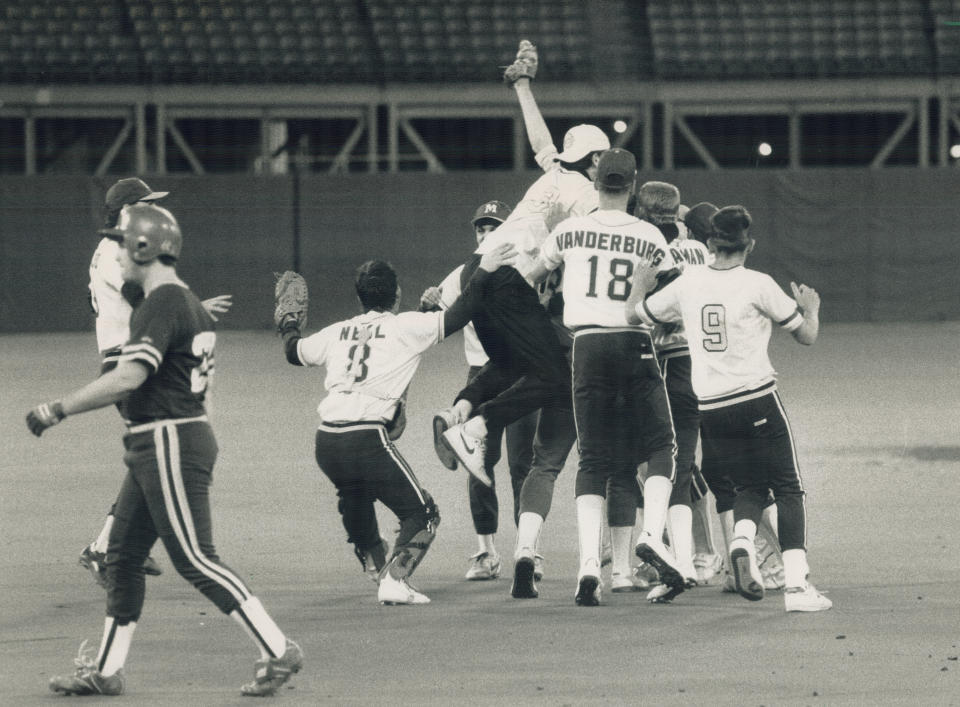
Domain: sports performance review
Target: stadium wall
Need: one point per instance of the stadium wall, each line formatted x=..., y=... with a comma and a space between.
x=879, y=245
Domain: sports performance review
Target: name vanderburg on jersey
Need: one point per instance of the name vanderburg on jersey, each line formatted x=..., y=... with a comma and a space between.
x=629, y=245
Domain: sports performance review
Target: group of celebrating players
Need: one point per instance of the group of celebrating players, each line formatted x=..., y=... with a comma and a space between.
x=596, y=312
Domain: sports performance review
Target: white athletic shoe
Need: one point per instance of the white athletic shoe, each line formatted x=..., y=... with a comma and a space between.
x=770, y=562
x=729, y=584
x=707, y=565
x=652, y=551
x=443, y=421
x=588, y=590
x=469, y=450
x=393, y=592
x=622, y=584
x=645, y=576
x=746, y=573
x=483, y=565
x=538, y=567
x=805, y=598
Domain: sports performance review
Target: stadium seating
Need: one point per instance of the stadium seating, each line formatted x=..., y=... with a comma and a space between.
x=371, y=41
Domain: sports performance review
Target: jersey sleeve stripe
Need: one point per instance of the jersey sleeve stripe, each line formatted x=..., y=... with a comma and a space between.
x=646, y=310
x=144, y=353
x=793, y=321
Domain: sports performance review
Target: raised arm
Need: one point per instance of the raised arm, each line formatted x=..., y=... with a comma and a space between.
x=518, y=75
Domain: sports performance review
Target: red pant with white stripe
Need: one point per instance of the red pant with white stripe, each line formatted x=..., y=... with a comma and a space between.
x=166, y=494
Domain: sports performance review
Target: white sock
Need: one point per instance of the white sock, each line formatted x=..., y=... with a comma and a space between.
x=681, y=535
x=769, y=519
x=620, y=541
x=528, y=534
x=100, y=544
x=745, y=528
x=703, y=527
x=795, y=567
x=486, y=544
x=116, y=644
x=656, y=496
x=589, y=529
x=476, y=426
x=260, y=627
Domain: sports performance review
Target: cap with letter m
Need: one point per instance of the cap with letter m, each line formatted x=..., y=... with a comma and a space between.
x=493, y=212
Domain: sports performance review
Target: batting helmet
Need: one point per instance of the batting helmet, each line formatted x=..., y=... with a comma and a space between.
x=147, y=232
x=494, y=211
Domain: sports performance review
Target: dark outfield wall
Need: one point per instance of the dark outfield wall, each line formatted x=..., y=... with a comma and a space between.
x=878, y=245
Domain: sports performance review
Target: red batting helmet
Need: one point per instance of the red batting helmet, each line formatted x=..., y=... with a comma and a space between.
x=147, y=231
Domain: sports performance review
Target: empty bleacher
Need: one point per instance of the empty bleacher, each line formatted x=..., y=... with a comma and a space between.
x=375, y=41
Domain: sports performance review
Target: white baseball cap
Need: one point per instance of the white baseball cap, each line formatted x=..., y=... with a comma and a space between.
x=580, y=141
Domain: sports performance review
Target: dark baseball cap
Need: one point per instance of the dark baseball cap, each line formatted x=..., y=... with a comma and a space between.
x=617, y=169
x=130, y=191
x=491, y=211
x=697, y=219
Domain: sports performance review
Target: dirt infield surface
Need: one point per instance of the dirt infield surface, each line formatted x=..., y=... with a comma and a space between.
x=876, y=413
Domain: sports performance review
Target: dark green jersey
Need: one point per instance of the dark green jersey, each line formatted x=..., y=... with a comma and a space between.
x=173, y=336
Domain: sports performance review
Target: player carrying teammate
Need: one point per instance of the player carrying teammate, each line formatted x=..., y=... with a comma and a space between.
x=619, y=399
x=484, y=509
x=370, y=360
x=745, y=432
x=163, y=372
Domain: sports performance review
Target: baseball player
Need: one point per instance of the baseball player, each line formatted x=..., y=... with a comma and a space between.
x=484, y=509
x=163, y=372
x=727, y=311
x=619, y=400
x=370, y=360
x=112, y=301
x=697, y=221
x=659, y=204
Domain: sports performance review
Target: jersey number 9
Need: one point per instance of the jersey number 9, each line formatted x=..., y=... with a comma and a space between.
x=713, y=321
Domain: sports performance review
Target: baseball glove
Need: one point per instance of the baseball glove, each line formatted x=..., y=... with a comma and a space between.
x=290, y=299
x=524, y=66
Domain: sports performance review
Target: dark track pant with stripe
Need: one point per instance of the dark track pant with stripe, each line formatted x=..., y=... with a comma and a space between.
x=165, y=494
x=365, y=466
x=686, y=423
x=621, y=409
x=751, y=443
x=528, y=367
x=484, y=507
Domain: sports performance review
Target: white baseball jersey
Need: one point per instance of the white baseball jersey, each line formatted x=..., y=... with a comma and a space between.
x=671, y=340
x=113, y=311
x=370, y=361
x=555, y=196
x=601, y=252
x=727, y=315
x=450, y=289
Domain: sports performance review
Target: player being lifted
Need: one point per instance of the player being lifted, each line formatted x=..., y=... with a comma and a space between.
x=163, y=373
x=370, y=360
x=727, y=311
